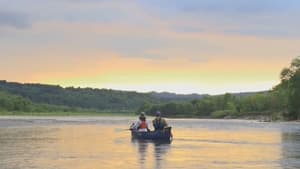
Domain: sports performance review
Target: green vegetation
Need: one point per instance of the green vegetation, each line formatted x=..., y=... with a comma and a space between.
x=228, y=105
x=39, y=99
x=86, y=98
x=282, y=102
x=290, y=88
x=11, y=104
x=61, y=113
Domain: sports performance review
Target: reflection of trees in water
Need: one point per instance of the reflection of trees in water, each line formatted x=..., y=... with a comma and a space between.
x=142, y=149
x=290, y=150
x=160, y=150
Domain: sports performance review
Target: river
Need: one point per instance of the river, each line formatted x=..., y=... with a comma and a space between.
x=104, y=143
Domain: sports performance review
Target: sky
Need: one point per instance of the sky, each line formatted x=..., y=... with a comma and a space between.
x=190, y=46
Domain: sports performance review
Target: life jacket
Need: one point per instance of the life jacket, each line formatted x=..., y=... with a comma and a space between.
x=158, y=124
x=143, y=125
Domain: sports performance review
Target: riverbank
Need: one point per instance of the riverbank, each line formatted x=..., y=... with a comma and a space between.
x=30, y=121
x=42, y=121
x=95, y=115
x=6, y=113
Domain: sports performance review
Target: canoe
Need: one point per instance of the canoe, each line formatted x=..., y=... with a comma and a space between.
x=164, y=134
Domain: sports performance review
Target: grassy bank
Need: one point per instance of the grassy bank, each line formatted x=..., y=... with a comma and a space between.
x=12, y=113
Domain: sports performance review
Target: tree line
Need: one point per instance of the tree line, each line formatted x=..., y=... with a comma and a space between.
x=85, y=98
x=15, y=103
x=282, y=102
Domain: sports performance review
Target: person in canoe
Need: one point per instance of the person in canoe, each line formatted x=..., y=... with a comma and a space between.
x=141, y=125
x=159, y=123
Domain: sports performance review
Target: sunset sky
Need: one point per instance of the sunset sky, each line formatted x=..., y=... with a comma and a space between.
x=182, y=46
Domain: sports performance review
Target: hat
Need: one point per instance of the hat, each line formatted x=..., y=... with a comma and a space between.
x=142, y=114
x=158, y=113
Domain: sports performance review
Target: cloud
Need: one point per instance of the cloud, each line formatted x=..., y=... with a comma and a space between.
x=221, y=6
x=260, y=18
x=14, y=19
x=277, y=32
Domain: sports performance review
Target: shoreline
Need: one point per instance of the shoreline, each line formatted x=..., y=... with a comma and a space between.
x=42, y=121
x=96, y=116
x=65, y=114
x=111, y=114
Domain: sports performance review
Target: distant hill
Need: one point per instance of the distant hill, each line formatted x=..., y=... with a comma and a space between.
x=101, y=99
x=166, y=96
x=245, y=94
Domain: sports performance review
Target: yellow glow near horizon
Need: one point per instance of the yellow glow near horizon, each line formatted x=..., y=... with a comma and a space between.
x=176, y=75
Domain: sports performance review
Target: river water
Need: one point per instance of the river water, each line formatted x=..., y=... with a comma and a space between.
x=104, y=143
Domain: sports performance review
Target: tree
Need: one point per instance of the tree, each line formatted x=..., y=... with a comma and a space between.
x=205, y=106
x=294, y=96
x=290, y=79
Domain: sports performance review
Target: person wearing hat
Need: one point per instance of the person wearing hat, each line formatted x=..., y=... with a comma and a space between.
x=141, y=125
x=159, y=123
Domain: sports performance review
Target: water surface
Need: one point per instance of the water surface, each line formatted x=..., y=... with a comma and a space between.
x=103, y=142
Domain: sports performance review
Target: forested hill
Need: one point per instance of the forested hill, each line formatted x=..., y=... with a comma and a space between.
x=101, y=99
x=89, y=98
